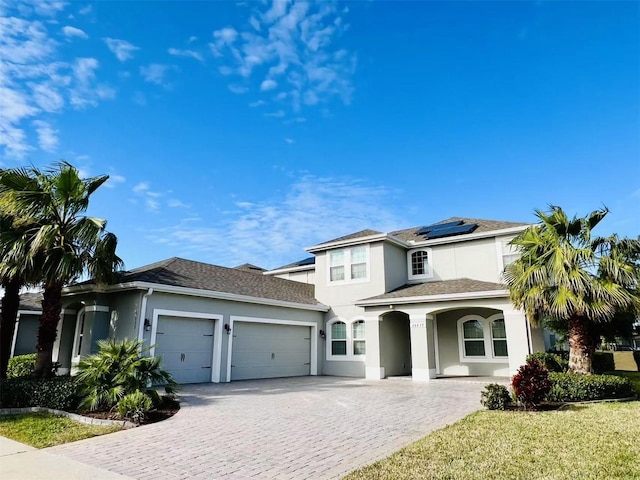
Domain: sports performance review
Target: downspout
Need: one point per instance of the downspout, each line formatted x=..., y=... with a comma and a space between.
x=529, y=341
x=143, y=312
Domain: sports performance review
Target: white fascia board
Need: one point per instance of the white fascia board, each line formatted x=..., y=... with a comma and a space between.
x=471, y=236
x=291, y=269
x=379, y=237
x=434, y=298
x=195, y=292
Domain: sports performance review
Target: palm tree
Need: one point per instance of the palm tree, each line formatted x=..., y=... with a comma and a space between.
x=565, y=274
x=61, y=242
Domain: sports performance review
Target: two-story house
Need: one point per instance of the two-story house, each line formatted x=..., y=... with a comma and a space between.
x=423, y=302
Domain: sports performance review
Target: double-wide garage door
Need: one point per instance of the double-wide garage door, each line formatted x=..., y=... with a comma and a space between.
x=267, y=350
x=186, y=348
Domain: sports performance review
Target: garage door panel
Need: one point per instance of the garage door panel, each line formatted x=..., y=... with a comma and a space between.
x=270, y=350
x=186, y=348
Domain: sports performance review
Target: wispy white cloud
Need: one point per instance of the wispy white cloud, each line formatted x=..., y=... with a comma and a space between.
x=268, y=85
x=114, y=179
x=176, y=52
x=33, y=78
x=290, y=47
x=257, y=103
x=271, y=233
x=47, y=136
x=157, y=73
x=290, y=141
x=70, y=32
x=174, y=203
x=141, y=187
x=85, y=10
x=122, y=49
x=277, y=114
x=238, y=89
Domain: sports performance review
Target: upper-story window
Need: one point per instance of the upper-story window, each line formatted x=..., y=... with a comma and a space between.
x=349, y=264
x=506, y=253
x=419, y=264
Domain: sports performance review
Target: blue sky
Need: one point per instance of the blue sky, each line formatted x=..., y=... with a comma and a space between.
x=243, y=132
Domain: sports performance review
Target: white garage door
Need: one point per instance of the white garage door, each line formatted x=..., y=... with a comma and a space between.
x=186, y=348
x=267, y=350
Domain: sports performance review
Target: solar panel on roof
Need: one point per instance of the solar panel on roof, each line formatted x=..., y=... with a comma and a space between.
x=438, y=226
x=307, y=261
x=451, y=231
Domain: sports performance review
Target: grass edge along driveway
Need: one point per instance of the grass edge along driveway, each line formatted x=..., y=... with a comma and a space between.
x=584, y=441
x=43, y=430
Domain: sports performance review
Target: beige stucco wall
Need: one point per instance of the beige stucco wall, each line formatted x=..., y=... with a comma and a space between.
x=475, y=259
x=304, y=276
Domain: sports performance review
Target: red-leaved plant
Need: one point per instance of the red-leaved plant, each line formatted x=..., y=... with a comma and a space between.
x=531, y=383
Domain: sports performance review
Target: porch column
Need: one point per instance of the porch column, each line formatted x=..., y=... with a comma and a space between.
x=537, y=338
x=423, y=359
x=515, y=323
x=373, y=369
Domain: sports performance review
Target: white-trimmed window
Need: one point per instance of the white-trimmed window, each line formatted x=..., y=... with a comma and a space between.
x=482, y=339
x=506, y=253
x=338, y=339
x=346, y=339
x=349, y=264
x=499, y=338
x=80, y=334
x=473, y=338
x=359, y=344
x=419, y=264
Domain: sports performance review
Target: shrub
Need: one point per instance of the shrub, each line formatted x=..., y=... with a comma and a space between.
x=134, y=406
x=636, y=357
x=602, y=362
x=575, y=387
x=21, y=365
x=551, y=361
x=118, y=369
x=60, y=393
x=495, y=397
x=531, y=383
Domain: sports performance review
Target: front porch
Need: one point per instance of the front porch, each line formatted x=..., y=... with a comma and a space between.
x=479, y=338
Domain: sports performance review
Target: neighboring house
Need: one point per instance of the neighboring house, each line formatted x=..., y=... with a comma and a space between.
x=424, y=301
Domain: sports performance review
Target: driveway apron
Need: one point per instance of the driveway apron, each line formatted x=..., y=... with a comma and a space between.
x=308, y=427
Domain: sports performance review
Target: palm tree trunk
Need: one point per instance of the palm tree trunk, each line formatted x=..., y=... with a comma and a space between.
x=51, y=308
x=10, y=307
x=581, y=345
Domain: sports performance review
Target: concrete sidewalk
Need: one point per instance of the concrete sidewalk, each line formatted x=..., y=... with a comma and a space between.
x=22, y=462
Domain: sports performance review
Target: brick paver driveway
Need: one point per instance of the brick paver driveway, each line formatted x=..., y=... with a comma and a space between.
x=311, y=427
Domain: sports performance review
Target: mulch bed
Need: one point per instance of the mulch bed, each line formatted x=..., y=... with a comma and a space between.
x=153, y=416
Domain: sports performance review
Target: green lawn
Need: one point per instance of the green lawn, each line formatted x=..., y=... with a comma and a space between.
x=42, y=430
x=584, y=442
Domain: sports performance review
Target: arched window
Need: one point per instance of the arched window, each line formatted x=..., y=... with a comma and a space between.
x=338, y=338
x=419, y=263
x=499, y=337
x=473, y=337
x=358, y=335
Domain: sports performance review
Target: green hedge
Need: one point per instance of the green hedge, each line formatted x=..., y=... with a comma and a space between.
x=573, y=387
x=21, y=365
x=551, y=361
x=60, y=393
x=602, y=362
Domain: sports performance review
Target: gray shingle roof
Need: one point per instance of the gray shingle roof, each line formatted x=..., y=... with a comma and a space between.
x=249, y=267
x=305, y=262
x=179, y=272
x=443, y=287
x=361, y=233
x=483, y=226
x=31, y=301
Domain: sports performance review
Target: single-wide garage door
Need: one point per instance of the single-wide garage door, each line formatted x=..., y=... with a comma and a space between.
x=186, y=348
x=267, y=350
